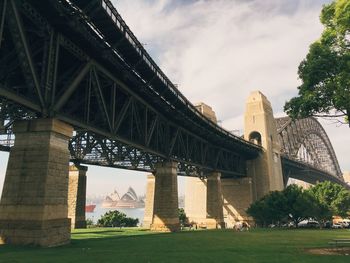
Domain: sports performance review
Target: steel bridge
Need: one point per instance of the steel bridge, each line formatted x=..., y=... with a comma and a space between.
x=307, y=153
x=79, y=62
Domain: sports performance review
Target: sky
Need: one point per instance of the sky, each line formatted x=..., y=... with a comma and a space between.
x=217, y=52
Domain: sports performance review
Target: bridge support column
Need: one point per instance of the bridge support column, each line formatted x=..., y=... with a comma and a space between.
x=215, y=217
x=33, y=206
x=148, y=217
x=196, y=200
x=237, y=197
x=165, y=217
x=203, y=201
x=260, y=127
x=77, y=196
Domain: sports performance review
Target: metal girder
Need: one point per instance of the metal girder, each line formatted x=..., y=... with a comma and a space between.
x=72, y=87
x=21, y=43
x=126, y=112
x=310, y=134
x=307, y=173
x=72, y=73
x=102, y=99
x=122, y=114
x=19, y=99
x=50, y=70
x=2, y=18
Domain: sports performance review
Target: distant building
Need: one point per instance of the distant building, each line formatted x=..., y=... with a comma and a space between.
x=300, y=183
x=128, y=200
x=346, y=176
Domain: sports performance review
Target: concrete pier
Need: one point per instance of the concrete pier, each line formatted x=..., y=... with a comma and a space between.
x=196, y=200
x=77, y=196
x=203, y=199
x=148, y=216
x=215, y=217
x=260, y=128
x=166, y=216
x=237, y=197
x=33, y=206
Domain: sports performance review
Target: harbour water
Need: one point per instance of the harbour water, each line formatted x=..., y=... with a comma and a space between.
x=130, y=212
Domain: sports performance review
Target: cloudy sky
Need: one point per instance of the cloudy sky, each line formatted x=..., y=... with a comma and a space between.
x=218, y=51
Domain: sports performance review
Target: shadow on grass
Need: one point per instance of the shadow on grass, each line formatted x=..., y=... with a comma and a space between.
x=103, y=246
x=140, y=245
x=99, y=232
x=82, y=239
x=107, y=236
x=112, y=233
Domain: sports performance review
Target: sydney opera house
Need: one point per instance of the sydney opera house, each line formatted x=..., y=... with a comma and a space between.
x=128, y=200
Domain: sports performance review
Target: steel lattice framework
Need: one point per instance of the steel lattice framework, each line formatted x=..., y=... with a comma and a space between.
x=305, y=145
x=79, y=62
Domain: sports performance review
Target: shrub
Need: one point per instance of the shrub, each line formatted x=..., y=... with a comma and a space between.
x=117, y=219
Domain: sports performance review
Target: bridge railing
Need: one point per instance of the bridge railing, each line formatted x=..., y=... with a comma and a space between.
x=129, y=35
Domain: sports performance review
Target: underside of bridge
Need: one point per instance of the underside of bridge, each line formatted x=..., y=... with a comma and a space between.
x=76, y=85
x=76, y=64
x=78, y=61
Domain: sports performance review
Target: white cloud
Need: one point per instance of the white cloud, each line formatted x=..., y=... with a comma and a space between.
x=218, y=51
x=339, y=137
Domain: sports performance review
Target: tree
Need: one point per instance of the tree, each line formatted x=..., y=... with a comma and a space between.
x=89, y=222
x=333, y=196
x=290, y=204
x=274, y=207
x=325, y=73
x=182, y=216
x=300, y=204
x=257, y=211
x=261, y=212
x=321, y=213
x=117, y=219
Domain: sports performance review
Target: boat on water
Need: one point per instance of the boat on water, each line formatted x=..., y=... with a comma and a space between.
x=128, y=200
x=90, y=208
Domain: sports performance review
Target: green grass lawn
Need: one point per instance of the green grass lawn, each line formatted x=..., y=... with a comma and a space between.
x=135, y=245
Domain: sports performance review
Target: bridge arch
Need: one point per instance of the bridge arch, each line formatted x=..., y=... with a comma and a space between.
x=255, y=137
x=306, y=140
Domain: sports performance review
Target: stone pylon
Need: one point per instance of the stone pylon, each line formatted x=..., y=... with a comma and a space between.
x=196, y=200
x=148, y=216
x=237, y=197
x=166, y=204
x=77, y=196
x=215, y=216
x=260, y=128
x=33, y=206
x=203, y=199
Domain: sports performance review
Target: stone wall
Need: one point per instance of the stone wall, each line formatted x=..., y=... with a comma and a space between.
x=148, y=216
x=33, y=206
x=237, y=197
x=77, y=196
x=166, y=215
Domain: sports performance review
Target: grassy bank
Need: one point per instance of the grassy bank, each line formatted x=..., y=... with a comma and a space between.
x=134, y=245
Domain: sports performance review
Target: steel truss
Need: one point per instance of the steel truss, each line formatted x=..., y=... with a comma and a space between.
x=307, y=172
x=306, y=141
x=55, y=62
